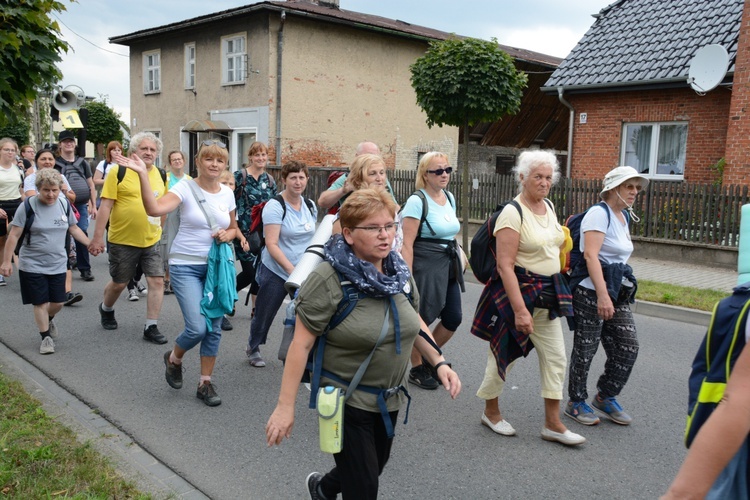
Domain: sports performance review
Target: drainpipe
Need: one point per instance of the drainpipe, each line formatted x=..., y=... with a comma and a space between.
x=279, y=50
x=570, y=130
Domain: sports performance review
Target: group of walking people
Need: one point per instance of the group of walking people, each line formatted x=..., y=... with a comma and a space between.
x=403, y=261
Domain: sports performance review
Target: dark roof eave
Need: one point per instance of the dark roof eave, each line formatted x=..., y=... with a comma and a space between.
x=627, y=86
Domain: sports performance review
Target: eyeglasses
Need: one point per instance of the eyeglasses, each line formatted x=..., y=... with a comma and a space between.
x=8, y=150
x=441, y=171
x=211, y=142
x=373, y=230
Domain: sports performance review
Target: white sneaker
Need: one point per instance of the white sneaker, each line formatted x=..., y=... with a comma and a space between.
x=133, y=295
x=141, y=288
x=48, y=346
x=2, y=281
x=52, y=329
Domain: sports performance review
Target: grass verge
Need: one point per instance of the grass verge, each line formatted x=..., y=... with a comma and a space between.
x=675, y=295
x=41, y=458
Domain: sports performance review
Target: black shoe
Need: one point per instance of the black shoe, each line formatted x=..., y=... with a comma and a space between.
x=86, y=275
x=108, y=319
x=153, y=335
x=71, y=298
x=207, y=393
x=433, y=371
x=421, y=377
x=226, y=325
x=173, y=373
x=231, y=314
x=312, y=482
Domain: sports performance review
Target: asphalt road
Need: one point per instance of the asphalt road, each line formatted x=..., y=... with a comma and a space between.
x=443, y=452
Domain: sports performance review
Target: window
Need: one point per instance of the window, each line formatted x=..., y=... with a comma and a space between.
x=190, y=66
x=655, y=149
x=152, y=72
x=233, y=57
x=504, y=164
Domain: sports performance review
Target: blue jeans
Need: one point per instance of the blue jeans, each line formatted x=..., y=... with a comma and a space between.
x=270, y=297
x=187, y=284
x=82, y=251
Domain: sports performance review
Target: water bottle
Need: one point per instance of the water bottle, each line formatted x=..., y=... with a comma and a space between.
x=331, y=419
x=288, y=333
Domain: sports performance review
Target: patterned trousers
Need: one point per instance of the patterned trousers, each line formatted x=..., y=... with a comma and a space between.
x=617, y=336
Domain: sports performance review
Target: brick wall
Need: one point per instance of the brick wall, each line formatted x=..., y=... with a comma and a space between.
x=737, y=170
x=596, y=144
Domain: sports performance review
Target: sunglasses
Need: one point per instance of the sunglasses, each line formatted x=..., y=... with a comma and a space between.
x=441, y=171
x=211, y=142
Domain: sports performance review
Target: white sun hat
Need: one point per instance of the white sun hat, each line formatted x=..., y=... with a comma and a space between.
x=618, y=175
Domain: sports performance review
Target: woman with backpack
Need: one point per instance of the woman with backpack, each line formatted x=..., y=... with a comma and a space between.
x=603, y=288
x=253, y=185
x=288, y=226
x=430, y=226
x=522, y=309
x=11, y=186
x=383, y=324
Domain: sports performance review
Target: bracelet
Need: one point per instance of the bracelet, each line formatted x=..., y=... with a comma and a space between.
x=441, y=364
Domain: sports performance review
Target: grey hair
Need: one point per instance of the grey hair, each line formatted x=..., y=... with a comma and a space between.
x=532, y=158
x=135, y=141
x=48, y=177
x=363, y=146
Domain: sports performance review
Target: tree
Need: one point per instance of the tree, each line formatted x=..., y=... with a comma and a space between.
x=17, y=129
x=460, y=82
x=103, y=124
x=30, y=46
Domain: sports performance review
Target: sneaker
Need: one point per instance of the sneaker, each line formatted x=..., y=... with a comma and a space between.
x=173, y=373
x=207, y=393
x=48, y=346
x=256, y=359
x=421, y=376
x=72, y=297
x=141, y=288
x=153, y=335
x=312, y=481
x=52, y=328
x=611, y=408
x=3, y=282
x=581, y=412
x=231, y=314
x=108, y=319
x=167, y=288
x=86, y=275
x=132, y=295
x=226, y=325
x=567, y=438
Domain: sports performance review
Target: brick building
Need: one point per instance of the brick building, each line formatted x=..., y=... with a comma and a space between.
x=627, y=84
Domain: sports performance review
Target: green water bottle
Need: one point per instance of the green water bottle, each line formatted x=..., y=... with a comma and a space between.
x=331, y=418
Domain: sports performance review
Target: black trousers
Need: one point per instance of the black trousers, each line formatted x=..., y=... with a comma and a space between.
x=367, y=448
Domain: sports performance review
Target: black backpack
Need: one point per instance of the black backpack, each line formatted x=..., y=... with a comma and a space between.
x=425, y=210
x=30, y=216
x=75, y=173
x=573, y=223
x=122, y=171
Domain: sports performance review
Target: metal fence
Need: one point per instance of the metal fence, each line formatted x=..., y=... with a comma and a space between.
x=672, y=211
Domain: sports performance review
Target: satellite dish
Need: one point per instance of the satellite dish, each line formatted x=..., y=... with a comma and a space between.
x=708, y=68
x=79, y=93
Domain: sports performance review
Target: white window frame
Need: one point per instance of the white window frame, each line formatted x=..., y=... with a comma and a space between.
x=233, y=59
x=654, y=149
x=152, y=72
x=190, y=54
x=157, y=133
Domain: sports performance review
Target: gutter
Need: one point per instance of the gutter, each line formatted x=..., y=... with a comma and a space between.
x=279, y=53
x=626, y=86
x=565, y=103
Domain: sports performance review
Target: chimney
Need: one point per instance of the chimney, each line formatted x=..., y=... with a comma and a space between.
x=331, y=4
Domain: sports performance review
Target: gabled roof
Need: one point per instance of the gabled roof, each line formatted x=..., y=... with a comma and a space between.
x=647, y=43
x=326, y=13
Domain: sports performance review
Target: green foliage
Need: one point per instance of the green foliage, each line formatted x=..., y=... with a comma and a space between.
x=466, y=81
x=104, y=123
x=30, y=46
x=17, y=128
x=718, y=167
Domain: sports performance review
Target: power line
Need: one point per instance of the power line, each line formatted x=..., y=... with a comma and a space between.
x=85, y=40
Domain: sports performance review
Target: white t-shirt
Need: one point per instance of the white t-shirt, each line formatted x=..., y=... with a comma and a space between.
x=616, y=246
x=29, y=183
x=194, y=235
x=100, y=168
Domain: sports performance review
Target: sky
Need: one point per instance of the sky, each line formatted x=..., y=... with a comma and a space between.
x=551, y=27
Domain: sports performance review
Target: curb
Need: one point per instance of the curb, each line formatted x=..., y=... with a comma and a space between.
x=132, y=461
x=674, y=313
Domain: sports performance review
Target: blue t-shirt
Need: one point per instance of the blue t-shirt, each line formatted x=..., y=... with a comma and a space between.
x=297, y=229
x=442, y=219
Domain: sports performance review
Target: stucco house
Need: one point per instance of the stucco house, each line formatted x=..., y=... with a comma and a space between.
x=304, y=76
x=627, y=85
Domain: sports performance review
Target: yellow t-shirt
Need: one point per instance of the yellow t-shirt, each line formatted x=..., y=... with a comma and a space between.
x=128, y=223
x=541, y=238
